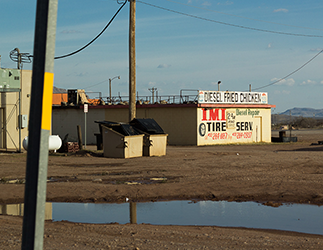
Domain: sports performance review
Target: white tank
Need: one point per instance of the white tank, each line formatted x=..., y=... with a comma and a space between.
x=54, y=142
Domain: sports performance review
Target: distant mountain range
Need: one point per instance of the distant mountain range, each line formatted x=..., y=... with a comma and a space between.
x=304, y=112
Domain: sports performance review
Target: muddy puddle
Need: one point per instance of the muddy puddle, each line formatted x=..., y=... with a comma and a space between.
x=290, y=217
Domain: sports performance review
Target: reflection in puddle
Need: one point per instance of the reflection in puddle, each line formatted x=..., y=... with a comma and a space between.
x=296, y=217
x=18, y=209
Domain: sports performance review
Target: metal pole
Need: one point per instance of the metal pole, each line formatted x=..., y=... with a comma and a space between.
x=110, y=81
x=132, y=60
x=39, y=124
x=152, y=90
x=85, y=130
x=20, y=119
x=110, y=90
x=290, y=126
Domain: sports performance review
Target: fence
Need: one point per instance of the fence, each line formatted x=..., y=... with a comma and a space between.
x=182, y=98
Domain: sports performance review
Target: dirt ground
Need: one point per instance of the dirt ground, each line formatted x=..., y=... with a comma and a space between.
x=269, y=173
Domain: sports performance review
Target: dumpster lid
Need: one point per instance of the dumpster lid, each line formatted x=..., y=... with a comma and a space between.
x=126, y=129
x=122, y=128
x=107, y=123
x=147, y=125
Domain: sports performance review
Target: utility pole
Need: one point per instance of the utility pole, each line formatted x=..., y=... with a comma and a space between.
x=133, y=212
x=39, y=125
x=110, y=101
x=290, y=126
x=152, y=90
x=132, y=60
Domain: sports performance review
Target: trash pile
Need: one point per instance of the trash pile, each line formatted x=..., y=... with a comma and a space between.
x=69, y=147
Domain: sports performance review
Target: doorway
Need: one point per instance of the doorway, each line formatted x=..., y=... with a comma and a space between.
x=257, y=132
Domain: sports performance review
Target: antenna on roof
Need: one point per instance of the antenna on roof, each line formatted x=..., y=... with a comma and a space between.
x=20, y=58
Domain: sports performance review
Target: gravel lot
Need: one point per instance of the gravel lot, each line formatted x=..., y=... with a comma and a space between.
x=272, y=173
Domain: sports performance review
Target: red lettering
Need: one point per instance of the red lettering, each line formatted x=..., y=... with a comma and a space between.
x=223, y=115
x=217, y=136
x=214, y=115
x=240, y=135
x=204, y=115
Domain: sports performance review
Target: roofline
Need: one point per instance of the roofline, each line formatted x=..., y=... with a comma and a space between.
x=189, y=105
x=210, y=105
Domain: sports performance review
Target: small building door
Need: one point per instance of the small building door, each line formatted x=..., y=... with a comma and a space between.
x=2, y=128
x=257, y=132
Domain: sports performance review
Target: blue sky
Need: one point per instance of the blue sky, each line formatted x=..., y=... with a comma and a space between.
x=177, y=52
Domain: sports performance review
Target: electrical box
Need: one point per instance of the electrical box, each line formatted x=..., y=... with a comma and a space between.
x=23, y=121
x=72, y=96
x=9, y=79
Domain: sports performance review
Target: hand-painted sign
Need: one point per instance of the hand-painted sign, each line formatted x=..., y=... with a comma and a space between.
x=232, y=97
x=231, y=119
x=245, y=112
x=229, y=125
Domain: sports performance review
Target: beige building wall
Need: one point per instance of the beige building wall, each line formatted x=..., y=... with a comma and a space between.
x=179, y=122
x=182, y=123
x=65, y=121
x=18, y=209
x=266, y=125
x=9, y=113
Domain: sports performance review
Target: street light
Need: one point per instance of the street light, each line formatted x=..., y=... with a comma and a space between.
x=110, y=80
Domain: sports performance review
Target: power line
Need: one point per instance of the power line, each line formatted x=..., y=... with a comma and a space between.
x=95, y=84
x=88, y=44
x=93, y=40
x=244, y=27
x=253, y=19
x=291, y=73
x=229, y=24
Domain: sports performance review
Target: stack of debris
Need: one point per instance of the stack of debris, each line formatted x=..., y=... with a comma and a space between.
x=69, y=147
